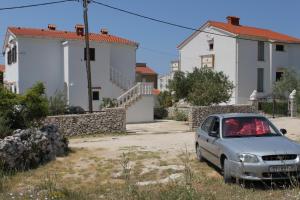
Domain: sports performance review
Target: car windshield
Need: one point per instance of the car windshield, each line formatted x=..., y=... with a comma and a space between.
x=248, y=127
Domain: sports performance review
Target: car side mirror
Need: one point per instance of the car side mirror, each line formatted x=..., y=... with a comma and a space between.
x=283, y=131
x=213, y=134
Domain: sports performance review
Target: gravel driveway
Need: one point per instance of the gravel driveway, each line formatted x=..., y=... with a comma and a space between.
x=165, y=136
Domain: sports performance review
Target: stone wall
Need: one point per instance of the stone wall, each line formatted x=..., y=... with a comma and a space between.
x=173, y=110
x=29, y=148
x=198, y=114
x=112, y=120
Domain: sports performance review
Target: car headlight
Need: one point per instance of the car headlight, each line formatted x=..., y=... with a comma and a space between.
x=248, y=158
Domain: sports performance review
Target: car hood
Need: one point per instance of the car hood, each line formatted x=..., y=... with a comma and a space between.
x=262, y=145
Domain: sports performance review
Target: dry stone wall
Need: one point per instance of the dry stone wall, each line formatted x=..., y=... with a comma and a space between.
x=198, y=114
x=112, y=120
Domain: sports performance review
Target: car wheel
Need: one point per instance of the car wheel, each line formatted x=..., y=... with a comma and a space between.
x=226, y=172
x=199, y=154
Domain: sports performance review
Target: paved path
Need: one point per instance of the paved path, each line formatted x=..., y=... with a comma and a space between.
x=166, y=136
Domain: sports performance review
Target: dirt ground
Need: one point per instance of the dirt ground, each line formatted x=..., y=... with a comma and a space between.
x=165, y=136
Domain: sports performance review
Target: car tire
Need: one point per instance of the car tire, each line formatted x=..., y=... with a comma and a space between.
x=199, y=154
x=226, y=172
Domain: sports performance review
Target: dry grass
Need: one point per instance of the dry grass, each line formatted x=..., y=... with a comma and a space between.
x=85, y=174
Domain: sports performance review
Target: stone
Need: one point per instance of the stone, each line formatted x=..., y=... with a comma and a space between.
x=29, y=148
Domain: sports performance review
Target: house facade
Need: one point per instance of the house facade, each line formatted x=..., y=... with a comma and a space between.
x=145, y=73
x=163, y=80
x=57, y=58
x=253, y=58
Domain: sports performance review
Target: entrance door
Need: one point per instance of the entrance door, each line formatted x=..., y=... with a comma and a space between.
x=96, y=99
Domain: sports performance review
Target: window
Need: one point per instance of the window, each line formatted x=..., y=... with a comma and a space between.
x=260, y=80
x=9, y=61
x=211, y=46
x=279, y=47
x=207, y=124
x=14, y=54
x=261, y=51
x=216, y=125
x=92, y=54
x=248, y=127
x=279, y=76
x=96, y=96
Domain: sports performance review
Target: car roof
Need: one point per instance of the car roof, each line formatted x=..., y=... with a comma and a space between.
x=229, y=115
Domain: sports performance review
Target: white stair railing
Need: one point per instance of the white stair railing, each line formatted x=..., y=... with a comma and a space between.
x=119, y=79
x=140, y=89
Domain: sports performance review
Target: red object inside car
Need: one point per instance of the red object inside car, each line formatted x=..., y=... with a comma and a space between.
x=246, y=126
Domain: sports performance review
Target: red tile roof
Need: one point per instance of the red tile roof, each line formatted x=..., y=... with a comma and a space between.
x=145, y=70
x=255, y=32
x=155, y=91
x=2, y=68
x=247, y=31
x=56, y=34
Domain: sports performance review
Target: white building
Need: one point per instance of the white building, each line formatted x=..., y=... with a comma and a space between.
x=253, y=58
x=57, y=58
x=163, y=80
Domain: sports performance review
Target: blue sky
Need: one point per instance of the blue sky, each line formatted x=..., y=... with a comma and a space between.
x=157, y=41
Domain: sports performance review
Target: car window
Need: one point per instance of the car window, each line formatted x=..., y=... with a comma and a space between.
x=207, y=124
x=216, y=125
x=247, y=127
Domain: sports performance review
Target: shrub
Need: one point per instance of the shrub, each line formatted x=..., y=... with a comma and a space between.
x=160, y=113
x=108, y=103
x=202, y=87
x=58, y=104
x=281, y=108
x=165, y=99
x=180, y=116
x=75, y=110
x=22, y=111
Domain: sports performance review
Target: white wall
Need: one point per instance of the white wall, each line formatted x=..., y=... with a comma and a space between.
x=141, y=110
x=224, y=51
x=12, y=71
x=40, y=60
x=100, y=70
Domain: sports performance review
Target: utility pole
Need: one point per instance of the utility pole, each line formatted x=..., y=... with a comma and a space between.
x=87, y=51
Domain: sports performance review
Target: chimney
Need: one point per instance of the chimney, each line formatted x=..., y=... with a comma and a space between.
x=51, y=27
x=233, y=20
x=141, y=64
x=79, y=29
x=104, y=31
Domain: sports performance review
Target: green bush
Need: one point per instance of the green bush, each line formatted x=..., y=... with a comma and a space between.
x=281, y=108
x=22, y=111
x=202, y=87
x=108, y=103
x=160, y=113
x=165, y=99
x=58, y=104
x=180, y=116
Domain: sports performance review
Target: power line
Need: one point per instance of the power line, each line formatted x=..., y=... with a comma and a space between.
x=175, y=25
x=36, y=5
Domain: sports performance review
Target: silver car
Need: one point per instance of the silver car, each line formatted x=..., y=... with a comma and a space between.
x=248, y=147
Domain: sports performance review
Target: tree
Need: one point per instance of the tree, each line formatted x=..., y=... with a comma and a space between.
x=165, y=99
x=202, y=87
x=289, y=81
x=179, y=85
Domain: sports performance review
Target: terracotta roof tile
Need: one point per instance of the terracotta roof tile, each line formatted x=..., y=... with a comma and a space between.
x=155, y=91
x=145, y=70
x=256, y=32
x=247, y=31
x=2, y=68
x=56, y=34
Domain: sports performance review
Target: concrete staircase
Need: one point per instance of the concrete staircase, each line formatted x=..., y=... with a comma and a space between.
x=134, y=94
